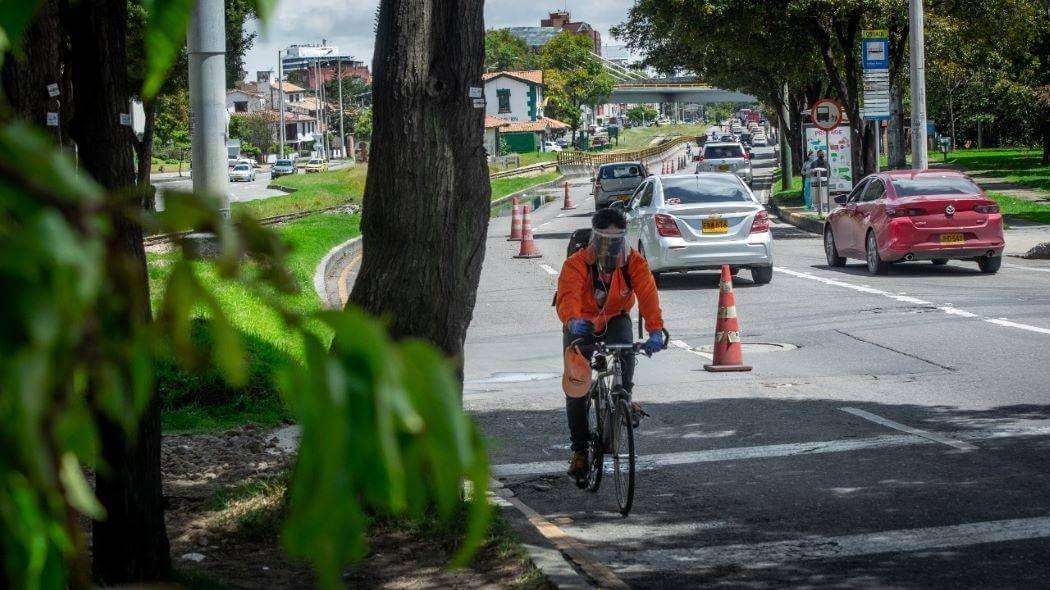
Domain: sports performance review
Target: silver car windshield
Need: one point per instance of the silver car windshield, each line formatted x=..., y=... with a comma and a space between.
x=283, y=163
x=719, y=152
x=700, y=190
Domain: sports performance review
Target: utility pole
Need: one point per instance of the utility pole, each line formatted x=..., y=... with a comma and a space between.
x=280, y=90
x=919, y=157
x=206, y=44
x=786, y=166
x=342, y=136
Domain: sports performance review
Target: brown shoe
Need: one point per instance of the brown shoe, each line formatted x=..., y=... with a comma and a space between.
x=578, y=465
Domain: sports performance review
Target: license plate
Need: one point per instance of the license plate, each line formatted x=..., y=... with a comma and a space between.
x=952, y=239
x=714, y=226
x=622, y=197
x=723, y=167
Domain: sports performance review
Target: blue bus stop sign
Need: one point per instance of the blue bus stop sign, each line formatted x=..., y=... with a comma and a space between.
x=875, y=53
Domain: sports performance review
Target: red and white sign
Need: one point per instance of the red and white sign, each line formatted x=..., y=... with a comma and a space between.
x=826, y=114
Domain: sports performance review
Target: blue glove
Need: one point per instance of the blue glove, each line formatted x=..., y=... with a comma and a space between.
x=655, y=343
x=580, y=328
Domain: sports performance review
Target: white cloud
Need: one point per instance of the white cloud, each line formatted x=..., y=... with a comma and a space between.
x=350, y=24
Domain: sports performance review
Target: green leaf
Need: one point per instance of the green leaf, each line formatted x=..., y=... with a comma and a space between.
x=166, y=25
x=14, y=18
x=78, y=491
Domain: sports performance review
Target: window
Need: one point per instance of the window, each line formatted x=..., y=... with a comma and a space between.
x=647, y=196
x=708, y=189
x=874, y=192
x=503, y=96
x=944, y=185
x=858, y=190
x=621, y=171
x=240, y=106
x=719, y=152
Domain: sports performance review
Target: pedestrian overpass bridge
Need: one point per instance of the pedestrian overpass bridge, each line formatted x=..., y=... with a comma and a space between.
x=634, y=87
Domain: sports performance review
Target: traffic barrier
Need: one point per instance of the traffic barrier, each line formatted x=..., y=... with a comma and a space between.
x=728, y=353
x=528, y=244
x=567, y=204
x=515, y=221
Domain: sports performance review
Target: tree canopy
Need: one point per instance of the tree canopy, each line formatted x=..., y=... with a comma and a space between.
x=504, y=51
x=574, y=76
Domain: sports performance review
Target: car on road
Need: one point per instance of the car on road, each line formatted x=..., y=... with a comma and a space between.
x=243, y=172
x=759, y=140
x=616, y=182
x=551, y=146
x=701, y=221
x=907, y=215
x=282, y=168
x=725, y=156
x=316, y=165
x=562, y=142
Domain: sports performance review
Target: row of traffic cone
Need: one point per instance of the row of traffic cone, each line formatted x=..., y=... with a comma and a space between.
x=521, y=230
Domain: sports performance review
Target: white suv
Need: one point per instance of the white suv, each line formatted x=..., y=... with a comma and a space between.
x=725, y=156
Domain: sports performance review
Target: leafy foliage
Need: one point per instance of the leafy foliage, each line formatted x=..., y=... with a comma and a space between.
x=504, y=51
x=258, y=129
x=574, y=78
x=74, y=343
x=642, y=113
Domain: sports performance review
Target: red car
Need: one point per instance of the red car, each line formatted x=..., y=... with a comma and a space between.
x=908, y=215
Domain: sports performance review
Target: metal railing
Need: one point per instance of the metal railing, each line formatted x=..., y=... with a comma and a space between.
x=597, y=159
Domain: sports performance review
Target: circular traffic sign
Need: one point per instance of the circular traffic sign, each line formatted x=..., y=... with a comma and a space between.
x=826, y=114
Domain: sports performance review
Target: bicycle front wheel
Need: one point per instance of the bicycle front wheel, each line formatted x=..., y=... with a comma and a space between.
x=623, y=456
x=596, y=451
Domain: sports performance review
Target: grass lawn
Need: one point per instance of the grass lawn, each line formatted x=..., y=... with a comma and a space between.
x=791, y=197
x=640, y=137
x=502, y=187
x=531, y=158
x=312, y=191
x=1020, y=166
x=204, y=402
x=1022, y=209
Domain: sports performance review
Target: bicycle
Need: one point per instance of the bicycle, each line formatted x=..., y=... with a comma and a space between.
x=611, y=423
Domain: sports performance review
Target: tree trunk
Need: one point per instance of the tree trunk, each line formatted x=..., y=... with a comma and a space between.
x=25, y=78
x=895, y=132
x=131, y=544
x=425, y=222
x=144, y=156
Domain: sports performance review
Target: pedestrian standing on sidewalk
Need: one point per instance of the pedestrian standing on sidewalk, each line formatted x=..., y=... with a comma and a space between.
x=806, y=165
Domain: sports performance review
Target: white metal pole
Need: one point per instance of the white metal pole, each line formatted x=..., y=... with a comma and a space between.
x=919, y=156
x=282, y=136
x=206, y=45
x=342, y=135
x=878, y=132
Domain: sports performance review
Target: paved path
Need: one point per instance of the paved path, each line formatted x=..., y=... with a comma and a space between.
x=898, y=442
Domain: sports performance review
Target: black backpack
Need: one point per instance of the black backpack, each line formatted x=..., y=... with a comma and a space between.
x=578, y=241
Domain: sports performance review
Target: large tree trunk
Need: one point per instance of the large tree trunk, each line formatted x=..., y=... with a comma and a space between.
x=426, y=203
x=131, y=544
x=144, y=156
x=25, y=77
x=896, y=135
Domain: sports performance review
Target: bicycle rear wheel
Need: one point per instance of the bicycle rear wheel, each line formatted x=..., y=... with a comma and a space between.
x=623, y=455
x=596, y=423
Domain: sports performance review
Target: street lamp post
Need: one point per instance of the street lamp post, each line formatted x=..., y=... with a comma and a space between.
x=206, y=43
x=919, y=156
x=282, y=136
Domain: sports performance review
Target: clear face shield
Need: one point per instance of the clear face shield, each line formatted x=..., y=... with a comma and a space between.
x=609, y=248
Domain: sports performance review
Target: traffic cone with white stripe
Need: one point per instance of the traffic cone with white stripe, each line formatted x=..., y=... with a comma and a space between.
x=515, y=221
x=728, y=354
x=528, y=245
x=568, y=204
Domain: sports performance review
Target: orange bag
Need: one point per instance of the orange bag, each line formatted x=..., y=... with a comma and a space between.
x=576, y=378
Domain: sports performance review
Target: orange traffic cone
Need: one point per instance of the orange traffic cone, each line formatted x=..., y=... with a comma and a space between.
x=568, y=204
x=515, y=222
x=528, y=245
x=728, y=355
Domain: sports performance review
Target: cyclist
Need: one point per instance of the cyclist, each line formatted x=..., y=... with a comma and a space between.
x=597, y=288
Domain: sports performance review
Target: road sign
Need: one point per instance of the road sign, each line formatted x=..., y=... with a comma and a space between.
x=875, y=54
x=876, y=94
x=826, y=114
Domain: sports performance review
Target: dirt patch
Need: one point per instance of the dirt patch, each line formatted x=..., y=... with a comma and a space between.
x=225, y=494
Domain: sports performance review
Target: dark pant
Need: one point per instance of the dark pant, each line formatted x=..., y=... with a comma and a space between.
x=619, y=330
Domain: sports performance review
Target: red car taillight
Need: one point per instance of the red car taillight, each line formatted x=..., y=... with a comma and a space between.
x=761, y=223
x=904, y=212
x=666, y=226
x=986, y=208
x=745, y=157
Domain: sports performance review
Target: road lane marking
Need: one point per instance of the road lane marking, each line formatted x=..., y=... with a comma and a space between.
x=958, y=444
x=1008, y=265
x=948, y=309
x=685, y=346
x=550, y=270
x=814, y=548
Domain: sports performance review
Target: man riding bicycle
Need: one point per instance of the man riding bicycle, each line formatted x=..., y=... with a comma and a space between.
x=596, y=292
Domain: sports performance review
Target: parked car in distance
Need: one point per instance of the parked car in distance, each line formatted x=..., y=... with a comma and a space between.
x=316, y=165
x=563, y=142
x=692, y=222
x=231, y=162
x=243, y=172
x=551, y=146
x=282, y=168
x=759, y=140
x=616, y=182
x=725, y=156
x=908, y=215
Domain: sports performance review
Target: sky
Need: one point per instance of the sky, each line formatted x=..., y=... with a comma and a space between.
x=350, y=24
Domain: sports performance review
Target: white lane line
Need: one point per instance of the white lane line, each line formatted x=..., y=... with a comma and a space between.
x=1008, y=265
x=948, y=309
x=731, y=454
x=685, y=346
x=958, y=444
x=817, y=548
x=550, y=270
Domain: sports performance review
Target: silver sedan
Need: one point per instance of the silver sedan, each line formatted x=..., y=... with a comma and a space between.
x=700, y=222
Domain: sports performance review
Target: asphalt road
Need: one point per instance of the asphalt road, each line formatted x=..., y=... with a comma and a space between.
x=896, y=439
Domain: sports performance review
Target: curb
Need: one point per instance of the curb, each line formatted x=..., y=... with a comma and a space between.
x=283, y=189
x=524, y=170
x=807, y=224
x=326, y=270
x=543, y=185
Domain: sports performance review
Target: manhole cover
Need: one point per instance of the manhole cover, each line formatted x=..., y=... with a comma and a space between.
x=513, y=378
x=755, y=347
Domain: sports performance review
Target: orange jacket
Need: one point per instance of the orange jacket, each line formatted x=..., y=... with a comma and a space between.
x=576, y=292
